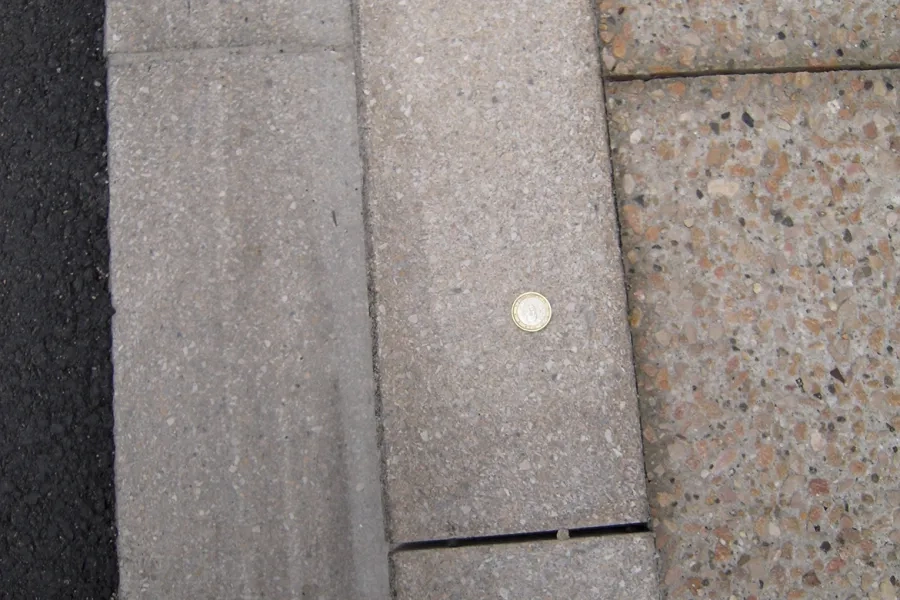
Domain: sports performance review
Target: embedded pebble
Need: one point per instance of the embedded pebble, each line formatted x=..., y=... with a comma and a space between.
x=891, y=219
x=628, y=184
x=723, y=187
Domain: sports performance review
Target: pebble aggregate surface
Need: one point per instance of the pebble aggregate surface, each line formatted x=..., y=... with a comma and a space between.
x=691, y=36
x=759, y=228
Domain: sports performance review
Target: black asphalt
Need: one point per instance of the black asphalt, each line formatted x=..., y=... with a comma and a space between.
x=57, y=505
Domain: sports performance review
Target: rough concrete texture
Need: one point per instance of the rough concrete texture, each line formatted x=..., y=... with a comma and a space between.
x=690, y=35
x=609, y=568
x=760, y=230
x=246, y=462
x=488, y=177
x=143, y=26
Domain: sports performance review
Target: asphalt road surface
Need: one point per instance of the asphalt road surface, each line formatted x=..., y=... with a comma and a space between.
x=57, y=504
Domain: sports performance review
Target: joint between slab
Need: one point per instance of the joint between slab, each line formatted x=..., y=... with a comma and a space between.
x=613, y=77
x=525, y=537
x=127, y=58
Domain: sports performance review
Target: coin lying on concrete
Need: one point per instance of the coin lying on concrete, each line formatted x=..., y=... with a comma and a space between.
x=531, y=311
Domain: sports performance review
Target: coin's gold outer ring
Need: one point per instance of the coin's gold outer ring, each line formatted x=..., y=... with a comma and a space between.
x=522, y=325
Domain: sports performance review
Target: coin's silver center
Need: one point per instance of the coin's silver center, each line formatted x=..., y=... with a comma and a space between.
x=532, y=312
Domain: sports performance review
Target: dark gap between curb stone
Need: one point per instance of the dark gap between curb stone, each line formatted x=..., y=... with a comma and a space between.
x=763, y=71
x=519, y=538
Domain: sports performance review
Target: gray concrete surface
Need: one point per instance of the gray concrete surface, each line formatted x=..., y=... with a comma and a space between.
x=143, y=26
x=246, y=460
x=488, y=177
x=608, y=568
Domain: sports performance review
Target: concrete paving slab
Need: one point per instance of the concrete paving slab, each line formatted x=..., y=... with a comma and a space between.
x=693, y=36
x=609, y=568
x=488, y=177
x=143, y=26
x=760, y=229
x=246, y=461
